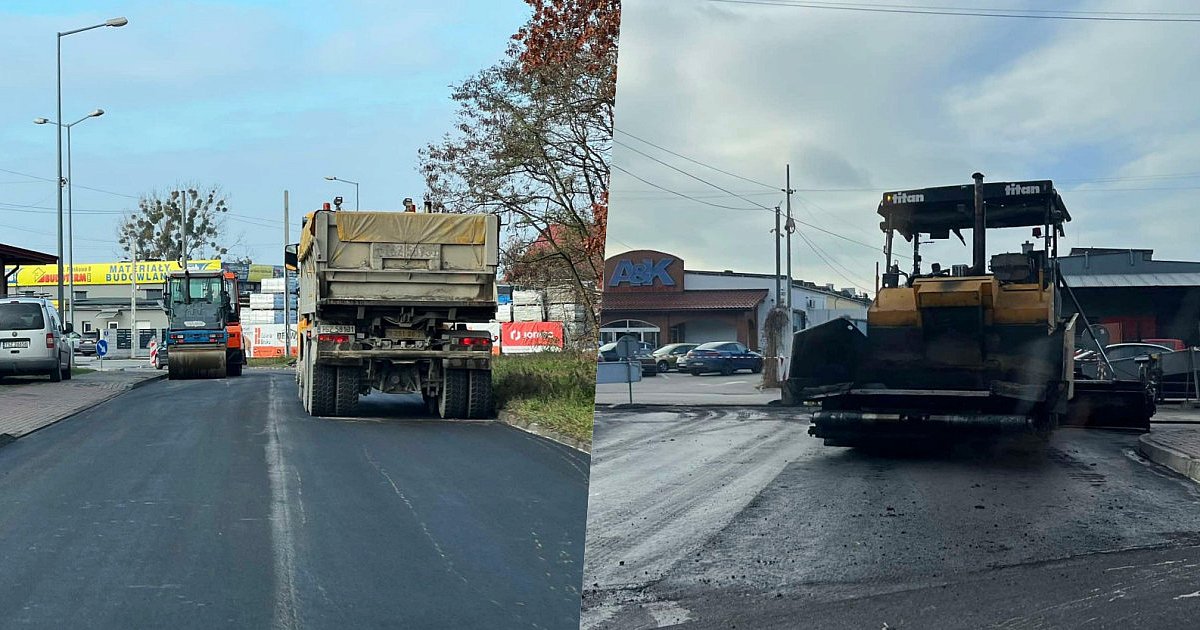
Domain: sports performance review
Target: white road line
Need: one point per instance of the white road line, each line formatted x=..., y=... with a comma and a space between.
x=283, y=540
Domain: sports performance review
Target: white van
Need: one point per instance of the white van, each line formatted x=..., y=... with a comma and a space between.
x=33, y=339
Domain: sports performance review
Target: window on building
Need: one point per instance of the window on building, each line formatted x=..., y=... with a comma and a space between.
x=81, y=295
x=87, y=327
x=112, y=325
x=154, y=294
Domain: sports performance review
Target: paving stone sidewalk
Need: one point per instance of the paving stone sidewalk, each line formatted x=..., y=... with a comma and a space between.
x=1175, y=446
x=30, y=403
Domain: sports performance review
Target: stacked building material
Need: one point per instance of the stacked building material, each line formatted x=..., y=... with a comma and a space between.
x=528, y=306
x=564, y=306
x=267, y=307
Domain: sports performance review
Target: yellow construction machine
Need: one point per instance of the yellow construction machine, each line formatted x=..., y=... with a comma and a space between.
x=960, y=351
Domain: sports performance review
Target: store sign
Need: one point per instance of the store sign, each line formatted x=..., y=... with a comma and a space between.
x=149, y=272
x=521, y=337
x=642, y=274
x=643, y=270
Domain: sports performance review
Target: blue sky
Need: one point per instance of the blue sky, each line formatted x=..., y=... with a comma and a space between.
x=862, y=103
x=254, y=96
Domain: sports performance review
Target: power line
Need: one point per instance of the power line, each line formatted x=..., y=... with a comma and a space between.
x=693, y=161
x=50, y=179
x=961, y=12
x=688, y=197
x=1051, y=11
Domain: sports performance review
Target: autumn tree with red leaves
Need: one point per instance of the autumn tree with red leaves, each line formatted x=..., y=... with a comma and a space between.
x=533, y=142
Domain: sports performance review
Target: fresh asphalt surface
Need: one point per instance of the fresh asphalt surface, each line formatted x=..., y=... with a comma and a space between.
x=735, y=518
x=207, y=504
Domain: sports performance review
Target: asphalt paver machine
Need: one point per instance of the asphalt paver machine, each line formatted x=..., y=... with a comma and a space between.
x=967, y=350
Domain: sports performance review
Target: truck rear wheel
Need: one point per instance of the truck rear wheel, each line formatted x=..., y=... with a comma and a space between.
x=481, y=404
x=233, y=368
x=349, y=378
x=324, y=390
x=454, y=397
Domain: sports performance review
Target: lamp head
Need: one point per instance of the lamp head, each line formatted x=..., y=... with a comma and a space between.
x=117, y=21
x=96, y=112
x=40, y=121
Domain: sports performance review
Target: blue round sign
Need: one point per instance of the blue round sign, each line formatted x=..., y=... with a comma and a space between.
x=101, y=348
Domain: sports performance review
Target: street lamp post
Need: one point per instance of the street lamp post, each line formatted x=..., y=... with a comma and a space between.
x=335, y=179
x=114, y=22
x=70, y=207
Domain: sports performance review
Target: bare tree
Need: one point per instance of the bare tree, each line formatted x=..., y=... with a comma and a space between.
x=155, y=228
x=532, y=145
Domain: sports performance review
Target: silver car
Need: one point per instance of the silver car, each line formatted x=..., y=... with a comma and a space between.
x=33, y=339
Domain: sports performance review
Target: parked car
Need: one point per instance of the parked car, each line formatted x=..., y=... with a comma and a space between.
x=665, y=358
x=608, y=352
x=725, y=357
x=82, y=344
x=33, y=339
x=160, y=356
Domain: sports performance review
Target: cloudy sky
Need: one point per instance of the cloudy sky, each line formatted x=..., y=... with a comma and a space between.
x=859, y=103
x=256, y=96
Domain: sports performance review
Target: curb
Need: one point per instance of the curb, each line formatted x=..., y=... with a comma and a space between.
x=6, y=438
x=530, y=426
x=1180, y=462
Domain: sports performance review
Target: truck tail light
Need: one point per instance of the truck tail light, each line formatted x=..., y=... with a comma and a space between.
x=334, y=338
x=49, y=340
x=476, y=343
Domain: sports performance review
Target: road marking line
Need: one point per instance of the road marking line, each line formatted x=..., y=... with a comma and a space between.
x=283, y=539
x=1196, y=594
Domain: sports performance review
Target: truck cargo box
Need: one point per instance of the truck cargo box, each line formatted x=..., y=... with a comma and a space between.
x=398, y=258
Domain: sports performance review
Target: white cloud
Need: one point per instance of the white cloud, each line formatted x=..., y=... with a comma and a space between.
x=882, y=102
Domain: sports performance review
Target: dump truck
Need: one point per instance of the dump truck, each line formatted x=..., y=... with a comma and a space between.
x=204, y=337
x=384, y=303
x=964, y=350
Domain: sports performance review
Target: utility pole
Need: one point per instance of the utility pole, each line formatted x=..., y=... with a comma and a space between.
x=778, y=278
x=790, y=227
x=287, y=309
x=133, y=329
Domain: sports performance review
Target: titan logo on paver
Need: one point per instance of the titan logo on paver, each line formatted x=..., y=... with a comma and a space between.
x=1018, y=189
x=642, y=274
x=903, y=197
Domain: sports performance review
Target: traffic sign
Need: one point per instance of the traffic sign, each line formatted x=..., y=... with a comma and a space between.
x=627, y=347
x=101, y=348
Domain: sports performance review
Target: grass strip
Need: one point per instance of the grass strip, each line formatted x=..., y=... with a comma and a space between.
x=556, y=389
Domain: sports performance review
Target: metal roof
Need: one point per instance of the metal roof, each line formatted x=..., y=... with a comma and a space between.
x=13, y=255
x=1133, y=280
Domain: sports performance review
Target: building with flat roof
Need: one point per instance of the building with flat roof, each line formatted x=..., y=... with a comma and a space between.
x=651, y=295
x=104, y=296
x=1134, y=296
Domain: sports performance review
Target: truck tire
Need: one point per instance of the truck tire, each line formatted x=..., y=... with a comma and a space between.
x=454, y=397
x=323, y=400
x=349, y=377
x=233, y=368
x=481, y=404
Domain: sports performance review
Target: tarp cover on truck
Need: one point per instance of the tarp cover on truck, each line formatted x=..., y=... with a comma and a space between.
x=403, y=227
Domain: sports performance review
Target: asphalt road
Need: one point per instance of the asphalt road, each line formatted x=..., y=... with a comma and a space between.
x=738, y=519
x=674, y=388
x=205, y=504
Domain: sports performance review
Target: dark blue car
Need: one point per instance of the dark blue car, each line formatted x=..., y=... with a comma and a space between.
x=725, y=357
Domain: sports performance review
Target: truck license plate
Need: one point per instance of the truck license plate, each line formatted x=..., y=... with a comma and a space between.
x=24, y=343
